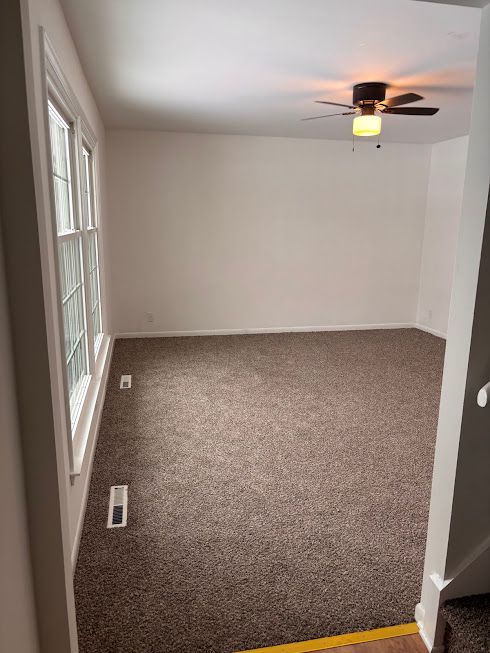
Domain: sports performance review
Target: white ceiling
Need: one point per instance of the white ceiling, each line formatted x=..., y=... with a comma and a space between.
x=256, y=66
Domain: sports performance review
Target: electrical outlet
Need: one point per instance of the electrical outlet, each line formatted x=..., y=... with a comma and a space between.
x=430, y=315
x=150, y=317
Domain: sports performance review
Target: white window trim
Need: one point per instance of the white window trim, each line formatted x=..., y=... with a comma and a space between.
x=57, y=89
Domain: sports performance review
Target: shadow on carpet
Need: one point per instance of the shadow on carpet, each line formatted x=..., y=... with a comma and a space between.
x=278, y=490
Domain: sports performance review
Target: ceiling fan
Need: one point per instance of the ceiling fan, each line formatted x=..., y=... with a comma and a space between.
x=369, y=103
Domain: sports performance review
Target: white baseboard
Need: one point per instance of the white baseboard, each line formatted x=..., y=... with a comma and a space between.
x=96, y=419
x=430, y=330
x=419, y=613
x=258, y=330
x=428, y=644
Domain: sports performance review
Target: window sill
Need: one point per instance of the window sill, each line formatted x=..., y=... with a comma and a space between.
x=90, y=413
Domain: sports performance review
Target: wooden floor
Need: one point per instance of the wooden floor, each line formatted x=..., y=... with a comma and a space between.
x=405, y=644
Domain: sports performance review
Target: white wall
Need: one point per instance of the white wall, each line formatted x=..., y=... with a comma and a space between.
x=17, y=610
x=443, y=216
x=228, y=232
x=460, y=501
x=49, y=15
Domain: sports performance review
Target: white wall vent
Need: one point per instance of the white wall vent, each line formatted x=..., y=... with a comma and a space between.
x=125, y=381
x=118, y=507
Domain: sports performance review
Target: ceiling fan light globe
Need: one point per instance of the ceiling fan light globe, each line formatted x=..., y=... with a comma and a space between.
x=367, y=125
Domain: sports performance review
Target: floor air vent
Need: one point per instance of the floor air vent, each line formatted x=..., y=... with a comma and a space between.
x=125, y=381
x=118, y=506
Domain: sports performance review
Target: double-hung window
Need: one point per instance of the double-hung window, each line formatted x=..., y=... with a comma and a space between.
x=69, y=231
x=74, y=191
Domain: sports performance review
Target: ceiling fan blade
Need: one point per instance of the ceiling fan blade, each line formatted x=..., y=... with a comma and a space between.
x=335, y=104
x=412, y=111
x=406, y=98
x=329, y=115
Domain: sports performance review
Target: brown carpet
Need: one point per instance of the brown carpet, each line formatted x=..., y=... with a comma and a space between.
x=468, y=624
x=278, y=490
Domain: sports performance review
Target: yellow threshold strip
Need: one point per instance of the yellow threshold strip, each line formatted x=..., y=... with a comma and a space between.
x=339, y=640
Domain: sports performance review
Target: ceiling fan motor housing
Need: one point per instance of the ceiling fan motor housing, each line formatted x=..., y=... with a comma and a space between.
x=368, y=93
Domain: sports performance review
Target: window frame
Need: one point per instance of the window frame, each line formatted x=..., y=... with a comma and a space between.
x=77, y=423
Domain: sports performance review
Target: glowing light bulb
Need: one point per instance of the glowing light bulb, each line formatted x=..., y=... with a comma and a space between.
x=367, y=125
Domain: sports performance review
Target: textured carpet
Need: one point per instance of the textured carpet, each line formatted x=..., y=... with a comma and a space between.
x=468, y=620
x=278, y=490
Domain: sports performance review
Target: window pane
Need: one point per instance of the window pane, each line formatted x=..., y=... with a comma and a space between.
x=94, y=283
x=60, y=153
x=71, y=281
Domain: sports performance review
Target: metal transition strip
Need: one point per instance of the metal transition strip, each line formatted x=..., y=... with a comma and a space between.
x=339, y=640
